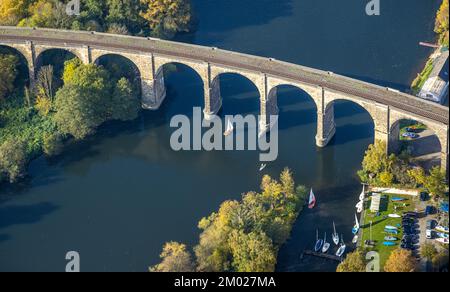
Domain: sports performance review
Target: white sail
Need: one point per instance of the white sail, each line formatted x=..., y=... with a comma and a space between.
x=357, y=222
x=230, y=126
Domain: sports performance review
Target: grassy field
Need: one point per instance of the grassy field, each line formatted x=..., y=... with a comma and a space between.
x=379, y=222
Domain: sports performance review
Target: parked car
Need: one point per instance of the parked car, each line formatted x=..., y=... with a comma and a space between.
x=424, y=196
x=429, y=234
x=430, y=224
x=410, y=135
x=429, y=210
x=410, y=130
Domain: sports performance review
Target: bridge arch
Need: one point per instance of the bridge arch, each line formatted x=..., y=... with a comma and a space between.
x=244, y=102
x=119, y=66
x=170, y=70
x=56, y=57
x=335, y=109
x=80, y=53
x=430, y=148
x=25, y=63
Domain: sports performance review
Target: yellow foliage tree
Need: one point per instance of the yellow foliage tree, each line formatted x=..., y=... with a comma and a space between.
x=442, y=23
x=167, y=17
x=12, y=11
x=400, y=261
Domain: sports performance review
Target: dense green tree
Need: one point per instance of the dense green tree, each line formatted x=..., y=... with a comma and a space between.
x=353, y=263
x=8, y=74
x=175, y=258
x=252, y=252
x=52, y=144
x=12, y=160
x=77, y=111
x=125, y=105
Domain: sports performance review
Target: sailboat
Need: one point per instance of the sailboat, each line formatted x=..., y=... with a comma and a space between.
x=230, y=128
x=363, y=193
x=335, y=235
x=326, y=245
x=319, y=242
x=355, y=229
x=360, y=207
x=340, y=252
x=312, y=200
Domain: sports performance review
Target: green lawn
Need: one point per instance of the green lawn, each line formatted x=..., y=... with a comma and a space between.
x=418, y=127
x=379, y=222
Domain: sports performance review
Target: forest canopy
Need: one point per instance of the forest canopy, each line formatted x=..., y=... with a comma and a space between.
x=160, y=18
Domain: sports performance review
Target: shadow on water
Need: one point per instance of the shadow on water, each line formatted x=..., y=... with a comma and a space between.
x=19, y=215
x=4, y=237
x=248, y=14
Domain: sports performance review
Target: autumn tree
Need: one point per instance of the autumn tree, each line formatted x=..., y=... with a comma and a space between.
x=175, y=258
x=400, y=261
x=167, y=17
x=442, y=23
x=253, y=252
x=12, y=11
x=41, y=14
x=354, y=262
x=8, y=73
x=12, y=160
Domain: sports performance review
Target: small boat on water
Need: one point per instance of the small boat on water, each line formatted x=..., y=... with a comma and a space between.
x=319, y=242
x=355, y=239
x=335, y=235
x=262, y=167
x=397, y=199
x=442, y=240
x=341, y=250
x=441, y=228
x=312, y=200
x=394, y=216
x=355, y=229
x=390, y=227
x=389, y=243
x=230, y=128
x=390, y=238
x=326, y=245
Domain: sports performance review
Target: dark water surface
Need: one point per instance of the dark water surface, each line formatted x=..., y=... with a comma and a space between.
x=117, y=197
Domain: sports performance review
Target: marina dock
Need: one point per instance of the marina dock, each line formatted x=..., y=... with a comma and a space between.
x=320, y=255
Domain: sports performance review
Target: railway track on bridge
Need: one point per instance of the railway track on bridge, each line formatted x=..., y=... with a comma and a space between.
x=313, y=77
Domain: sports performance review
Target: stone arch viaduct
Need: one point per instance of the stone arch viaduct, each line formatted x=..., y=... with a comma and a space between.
x=386, y=106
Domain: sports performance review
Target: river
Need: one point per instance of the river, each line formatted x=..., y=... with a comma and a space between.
x=118, y=196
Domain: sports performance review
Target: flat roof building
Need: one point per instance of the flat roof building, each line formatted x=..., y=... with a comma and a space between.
x=435, y=87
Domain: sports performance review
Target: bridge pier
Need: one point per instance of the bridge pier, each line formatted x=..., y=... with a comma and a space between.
x=153, y=91
x=213, y=98
x=326, y=127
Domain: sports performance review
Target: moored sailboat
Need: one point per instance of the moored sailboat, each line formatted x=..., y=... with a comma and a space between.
x=326, y=245
x=355, y=229
x=335, y=235
x=340, y=252
x=319, y=242
x=230, y=128
x=312, y=200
